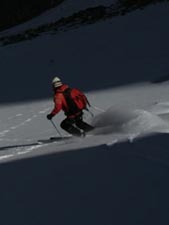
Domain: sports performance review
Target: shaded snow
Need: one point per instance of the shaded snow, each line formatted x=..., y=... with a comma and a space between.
x=120, y=51
x=65, y=9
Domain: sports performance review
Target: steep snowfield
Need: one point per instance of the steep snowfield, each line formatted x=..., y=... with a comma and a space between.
x=119, y=173
x=107, y=54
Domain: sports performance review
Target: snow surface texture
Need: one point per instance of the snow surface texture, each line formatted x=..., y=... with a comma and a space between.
x=118, y=174
x=125, y=115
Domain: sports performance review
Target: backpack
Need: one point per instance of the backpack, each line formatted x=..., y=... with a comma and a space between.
x=76, y=100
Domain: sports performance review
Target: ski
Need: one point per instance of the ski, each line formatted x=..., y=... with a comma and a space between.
x=54, y=139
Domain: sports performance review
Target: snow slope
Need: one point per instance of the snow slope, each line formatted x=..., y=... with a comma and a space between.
x=118, y=174
x=123, y=50
x=126, y=114
x=65, y=9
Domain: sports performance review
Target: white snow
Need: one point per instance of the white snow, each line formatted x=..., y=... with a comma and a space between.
x=127, y=115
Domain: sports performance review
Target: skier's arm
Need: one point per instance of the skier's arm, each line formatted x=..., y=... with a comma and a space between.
x=58, y=105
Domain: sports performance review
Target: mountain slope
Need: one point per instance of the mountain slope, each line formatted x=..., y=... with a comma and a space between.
x=122, y=50
x=118, y=174
x=15, y=12
x=83, y=17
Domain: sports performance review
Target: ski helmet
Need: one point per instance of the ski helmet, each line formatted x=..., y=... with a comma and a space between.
x=56, y=82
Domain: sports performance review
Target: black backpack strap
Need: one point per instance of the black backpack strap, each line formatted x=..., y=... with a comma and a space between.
x=72, y=107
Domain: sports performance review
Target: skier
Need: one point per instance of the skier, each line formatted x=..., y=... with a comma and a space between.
x=72, y=101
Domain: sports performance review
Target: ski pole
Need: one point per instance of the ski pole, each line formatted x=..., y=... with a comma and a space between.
x=56, y=128
x=92, y=115
x=97, y=108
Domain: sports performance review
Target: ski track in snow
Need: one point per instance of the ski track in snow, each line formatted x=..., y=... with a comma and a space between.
x=115, y=125
x=23, y=122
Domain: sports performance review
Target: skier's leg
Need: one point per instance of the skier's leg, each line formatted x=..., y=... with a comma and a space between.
x=68, y=125
x=83, y=125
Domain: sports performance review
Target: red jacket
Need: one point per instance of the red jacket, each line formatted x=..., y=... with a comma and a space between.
x=60, y=102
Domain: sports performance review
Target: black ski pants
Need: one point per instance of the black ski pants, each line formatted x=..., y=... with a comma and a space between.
x=75, y=125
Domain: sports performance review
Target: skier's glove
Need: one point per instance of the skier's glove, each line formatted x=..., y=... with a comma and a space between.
x=49, y=116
